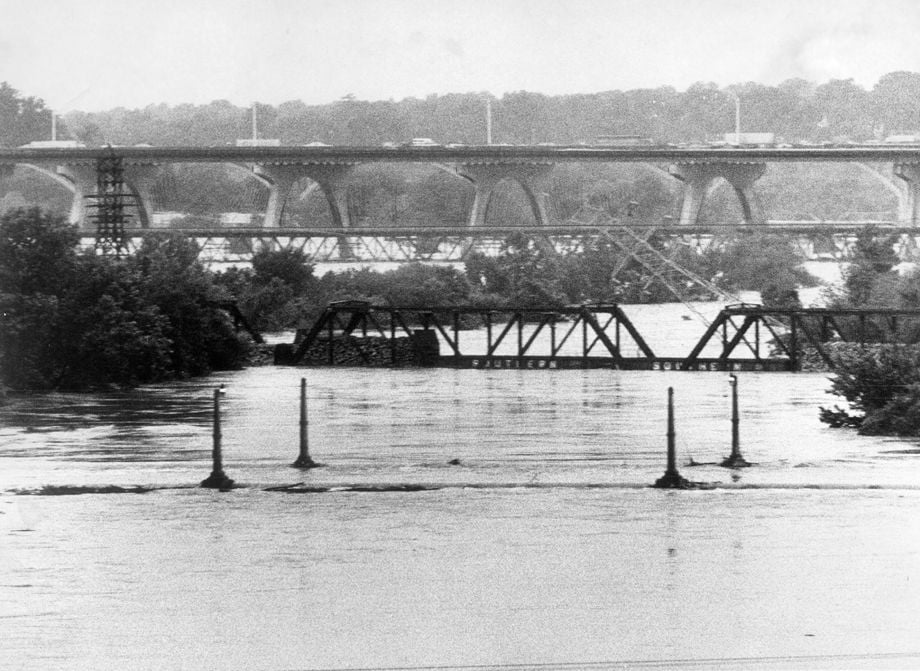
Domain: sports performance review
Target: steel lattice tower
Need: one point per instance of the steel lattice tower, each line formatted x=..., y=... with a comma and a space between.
x=109, y=204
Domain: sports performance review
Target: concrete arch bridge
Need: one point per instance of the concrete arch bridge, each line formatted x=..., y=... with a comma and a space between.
x=278, y=168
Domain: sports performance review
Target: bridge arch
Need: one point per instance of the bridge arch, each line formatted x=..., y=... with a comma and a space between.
x=902, y=182
x=532, y=178
x=331, y=180
x=698, y=179
x=73, y=179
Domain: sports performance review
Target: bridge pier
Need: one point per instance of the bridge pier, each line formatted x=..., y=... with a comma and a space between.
x=698, y=179
x=82, y=181
x=331, y=179
x=485, y=177
x=140, y=180
x=909, y=204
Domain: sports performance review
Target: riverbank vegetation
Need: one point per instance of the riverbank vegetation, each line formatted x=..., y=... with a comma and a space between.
x=879, y=380
x=881, y=384
x=76, y=320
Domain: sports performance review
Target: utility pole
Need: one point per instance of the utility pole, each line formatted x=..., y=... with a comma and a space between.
x=488, y=121
x=255, y=114
x=737, y=117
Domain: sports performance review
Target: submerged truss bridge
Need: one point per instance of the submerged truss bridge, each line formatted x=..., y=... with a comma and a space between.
x=741, y=338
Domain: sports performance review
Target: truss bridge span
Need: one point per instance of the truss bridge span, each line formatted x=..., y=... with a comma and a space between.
x=833, y=240
x=742, y=337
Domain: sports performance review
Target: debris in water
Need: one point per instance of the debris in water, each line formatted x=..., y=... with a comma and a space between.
x=69, y=490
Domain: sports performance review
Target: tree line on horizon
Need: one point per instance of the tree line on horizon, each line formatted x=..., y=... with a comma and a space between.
x=794, y=110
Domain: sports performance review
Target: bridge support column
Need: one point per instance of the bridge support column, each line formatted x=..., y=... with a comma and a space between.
x=698, y=179
x=82, y=179
x=330, y=178
x=536, y=187
x=140, y=179
x=6, y=172
x=533, y=179
x=909, y=204
x=742, y=177
x=332, y=182
x=279, y=179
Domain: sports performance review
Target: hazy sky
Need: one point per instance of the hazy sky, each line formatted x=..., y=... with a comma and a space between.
x=99, y=54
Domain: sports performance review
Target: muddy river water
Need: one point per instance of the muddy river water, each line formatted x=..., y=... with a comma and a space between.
x=540, y=546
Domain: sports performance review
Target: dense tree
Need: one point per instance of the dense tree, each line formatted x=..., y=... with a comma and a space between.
x=882, y=386
x=756, y=261
x=288, y=265
x=895, y=100
x=845, y=111
x=37, y=252
x=796, y=114
x=868, y=278
x=706, y=112
x=277, y=292
x=525, y=274
x=22, y=119
x=70, y=320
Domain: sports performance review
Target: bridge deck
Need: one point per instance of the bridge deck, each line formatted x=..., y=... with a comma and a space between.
x=464, y=154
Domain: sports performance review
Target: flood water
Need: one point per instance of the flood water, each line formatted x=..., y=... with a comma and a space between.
x=543, y=547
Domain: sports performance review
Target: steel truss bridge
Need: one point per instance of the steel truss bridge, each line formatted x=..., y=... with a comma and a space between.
x=741, y=338
x=451, y=244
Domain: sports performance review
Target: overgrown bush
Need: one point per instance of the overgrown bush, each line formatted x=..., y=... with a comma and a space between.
x=756, y=262
x=72, y=320
x=881, y=383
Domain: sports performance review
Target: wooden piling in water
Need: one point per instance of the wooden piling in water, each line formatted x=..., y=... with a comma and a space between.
x=218, y=479
x=303, y=458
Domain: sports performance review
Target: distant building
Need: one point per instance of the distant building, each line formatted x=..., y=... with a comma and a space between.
x=758, y=139
x=903, y=139
x=54, y=144
x=622, y=141
x=260, y=142
x=422, y=142
x=236, y=219
x=165, y=219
